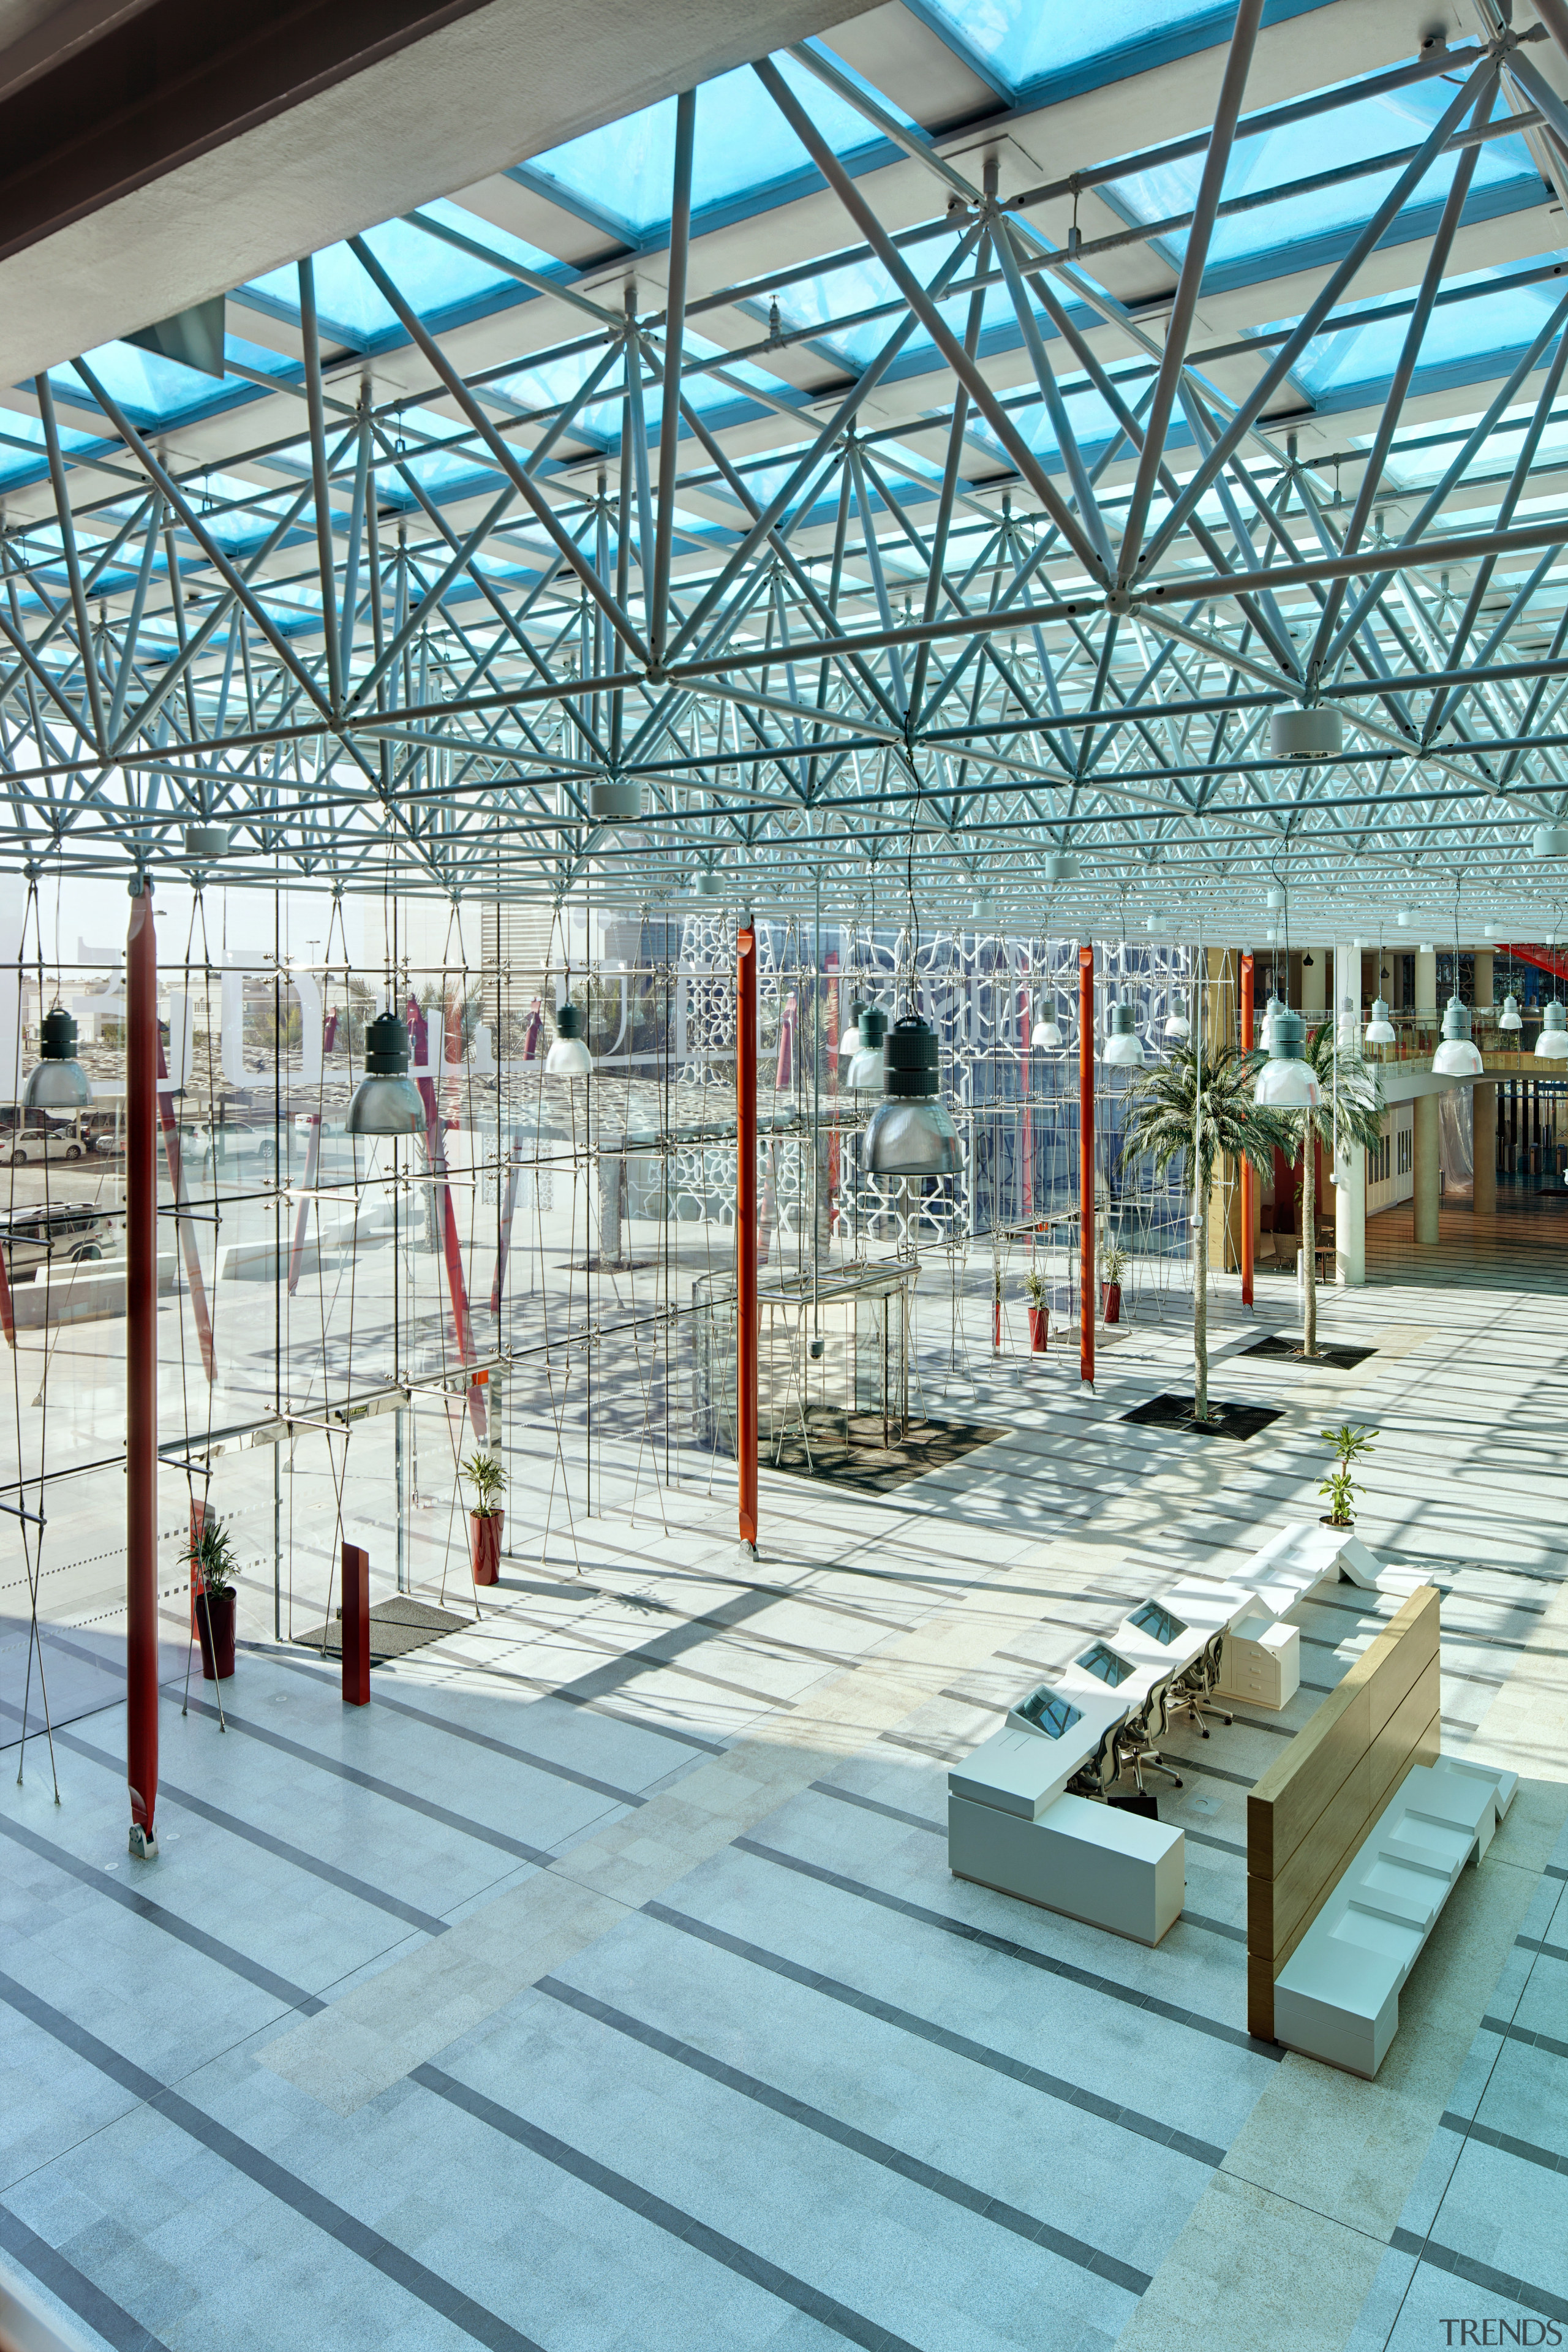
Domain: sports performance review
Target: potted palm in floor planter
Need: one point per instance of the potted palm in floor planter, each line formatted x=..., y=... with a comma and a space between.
x=1035, y=1283
x=486, y=1517
x=213, y=1596
x=1112, y=1266
x=1350, y=1441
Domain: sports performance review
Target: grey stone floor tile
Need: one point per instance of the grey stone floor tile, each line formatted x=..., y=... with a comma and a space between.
x=1379, y=2313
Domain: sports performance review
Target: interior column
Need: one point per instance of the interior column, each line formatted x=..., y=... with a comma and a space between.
x=1484, y=1195
x=1428, y=1169
x=1350, y=1218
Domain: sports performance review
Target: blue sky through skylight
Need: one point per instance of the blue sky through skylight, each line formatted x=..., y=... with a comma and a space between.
x=1025, y=41
x=625, y=170
x=1375, y=126
x=1347, y=357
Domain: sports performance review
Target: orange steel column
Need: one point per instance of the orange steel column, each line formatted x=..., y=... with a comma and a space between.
x=1249, y=1173
x=1086, y=1161
x=142, y=1372
x=746, y=1317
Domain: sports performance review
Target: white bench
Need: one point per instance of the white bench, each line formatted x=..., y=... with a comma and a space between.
x=1337, y=1997
x=1009, y=1826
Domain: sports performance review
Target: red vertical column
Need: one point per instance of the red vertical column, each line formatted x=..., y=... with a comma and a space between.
x=142, y=1372
x=1086, y=1161
x=746, y=1315
x=356, y=1627
x=1249, y=1173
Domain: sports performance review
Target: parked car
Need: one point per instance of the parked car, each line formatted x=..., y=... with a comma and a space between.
x=34, y=1235
x=35, y=1145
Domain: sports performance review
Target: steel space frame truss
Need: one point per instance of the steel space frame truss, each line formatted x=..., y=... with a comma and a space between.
x=878, y=668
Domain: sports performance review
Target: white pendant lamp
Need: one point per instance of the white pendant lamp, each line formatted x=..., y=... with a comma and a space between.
x=569, y=1056
x=1380, y=1028
x=1059, y=866
x=1552, y=1045
x=1123, y=1047
x=1287, y=1080
x=386, y=1101
x=1271, y=1012
x=1457, y=1057
x=1509, y=1017
x=850, y=1041
x=866, y=1072
x=1550, y=841
x=58, y=1083
x=1047, y=1032
x=1314, y=734
x=911, y=1133
x=1178, y=1028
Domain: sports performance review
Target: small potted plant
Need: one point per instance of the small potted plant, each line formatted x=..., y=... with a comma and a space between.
x=1035, y=1283
x=213, y=1597
x=1351, y=1440
x=486, y=1517
x=1112, y=1266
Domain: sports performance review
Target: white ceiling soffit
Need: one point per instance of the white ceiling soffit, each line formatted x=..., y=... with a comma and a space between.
x=205, y=204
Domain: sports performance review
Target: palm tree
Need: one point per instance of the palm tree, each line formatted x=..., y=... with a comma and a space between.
x=1358, y=1116
x=1196, y=1106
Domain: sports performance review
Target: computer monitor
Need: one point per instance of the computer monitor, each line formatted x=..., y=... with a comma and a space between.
x=1107, y=1664
x=1048, y=1712
x=1158, y=1624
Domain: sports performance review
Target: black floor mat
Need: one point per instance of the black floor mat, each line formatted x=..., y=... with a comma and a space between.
x=866, y=1463
x=1340, y=1360
x=395, y=1627
x=1170, y=1411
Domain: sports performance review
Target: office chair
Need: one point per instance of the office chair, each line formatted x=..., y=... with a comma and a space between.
x=1135, y=1739
x=1100, y=1774
x=1193, y=1690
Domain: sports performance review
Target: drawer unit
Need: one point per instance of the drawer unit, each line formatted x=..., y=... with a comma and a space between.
x=1260, y=1663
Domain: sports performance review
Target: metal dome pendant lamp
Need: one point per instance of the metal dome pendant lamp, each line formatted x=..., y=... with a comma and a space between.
x=911, y=1133
x=569, y=1056
x=1511, y=1017
x=853, y=1038
x=866, y=1069
x=1457, y=1056
x=1287, y=1080
x=58, y=1083
x=1047, y=1032
x=1123, y=1047
x=1552, y=1045
x=1380, y=1028
x=386, y=1101
x=1178, y=1028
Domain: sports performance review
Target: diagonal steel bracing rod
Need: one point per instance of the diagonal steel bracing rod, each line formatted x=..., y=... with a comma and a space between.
x=499, y=449
x=326, y=553
x=674, y=336
x=1248, y=16
x=46, y=400
x=174, y=498
x=1250, y=409
x=930, y=318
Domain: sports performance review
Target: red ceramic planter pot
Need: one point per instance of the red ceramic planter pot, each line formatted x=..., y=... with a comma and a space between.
x=1110, y=1301
x=1038, y=1330
x=485, y=1541
x=215, y=1632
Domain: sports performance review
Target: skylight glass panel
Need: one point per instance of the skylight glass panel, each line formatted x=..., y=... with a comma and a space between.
x=1457, y=333
x=1419, y=468
x=432, y=276
x=154, y=390
x=1025, y=41
x=17, y=462
x=866, y=286
x=1389, y=123
x=623, y=174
